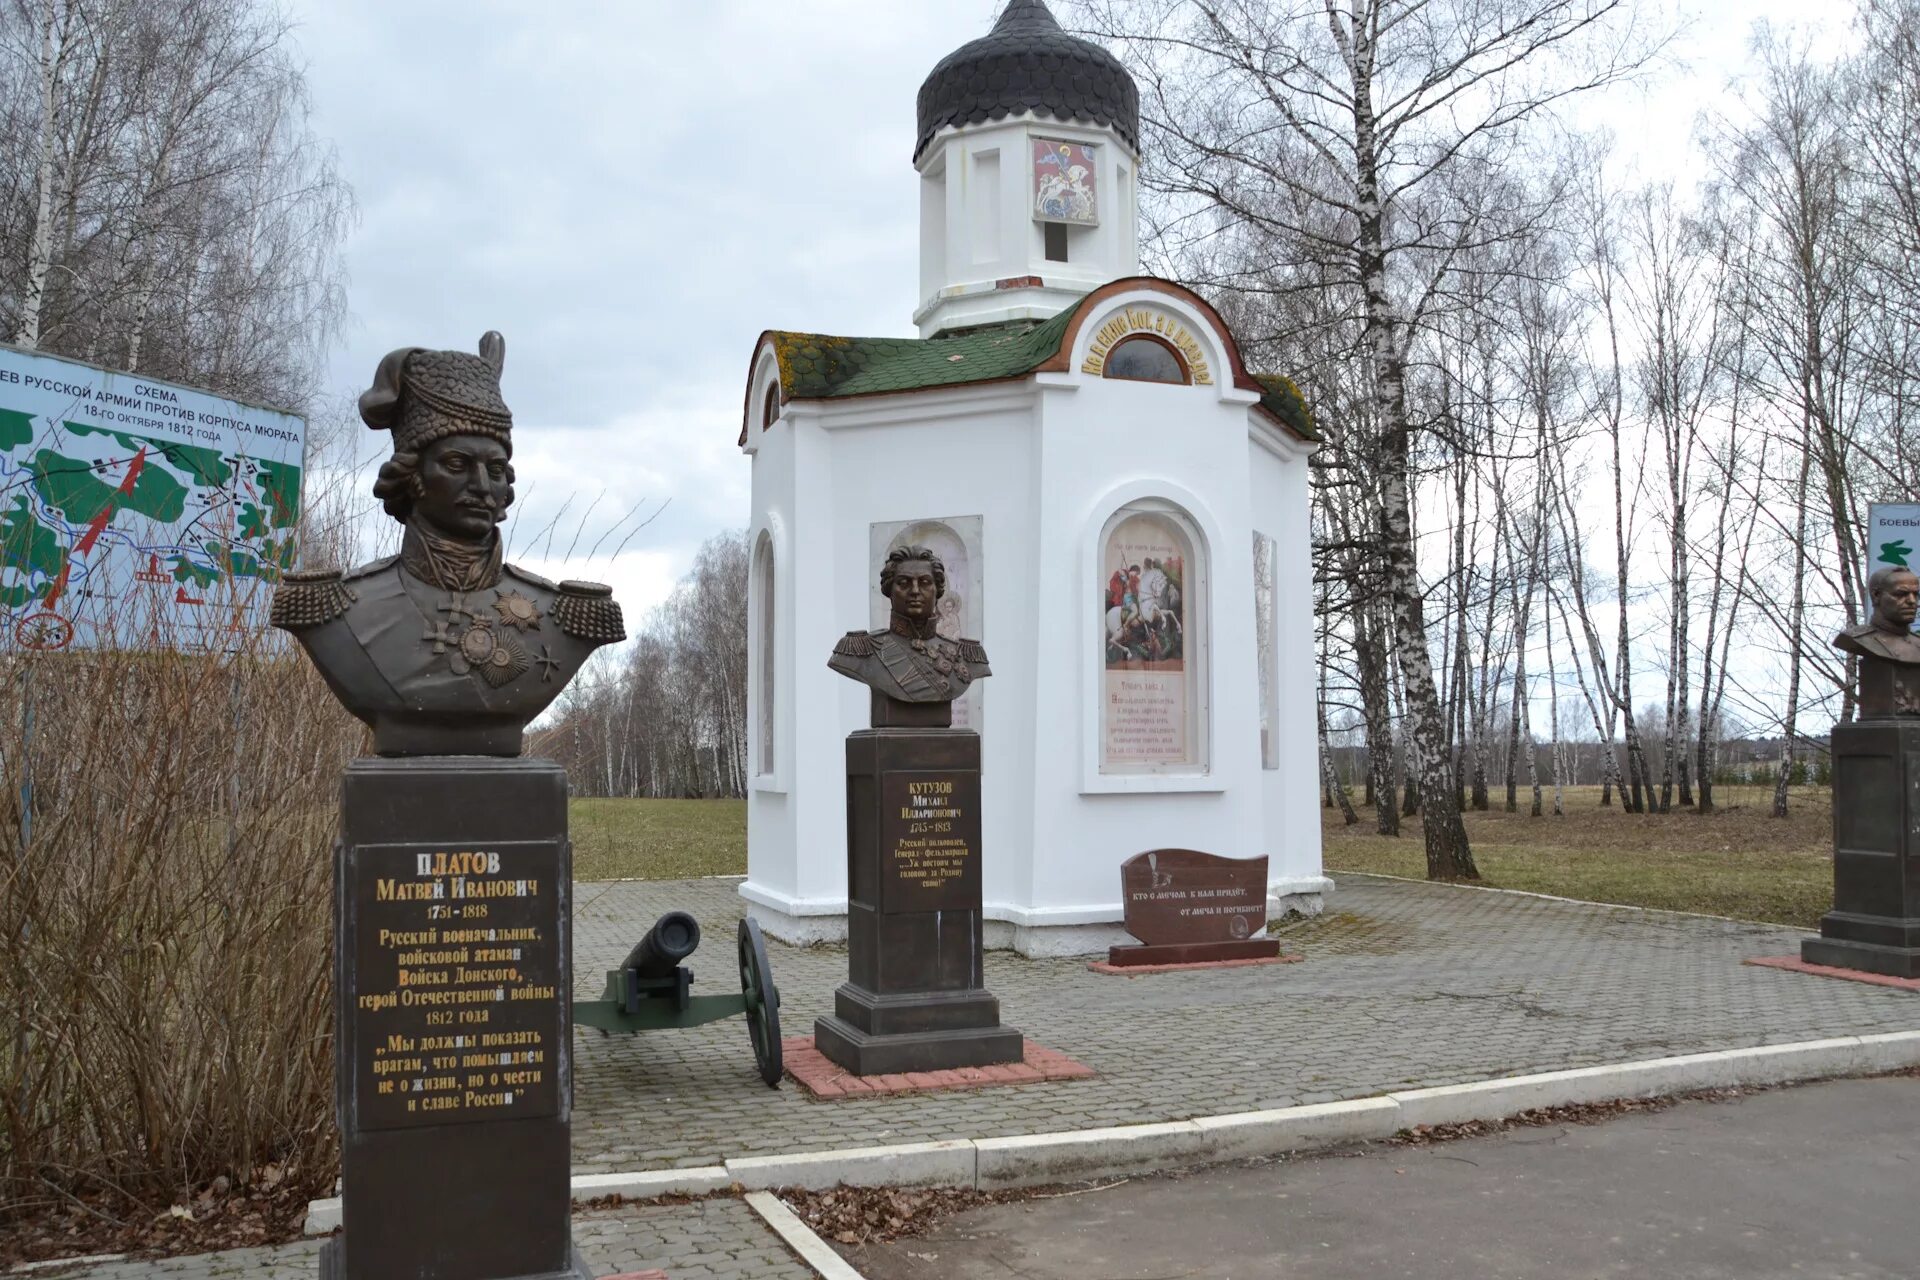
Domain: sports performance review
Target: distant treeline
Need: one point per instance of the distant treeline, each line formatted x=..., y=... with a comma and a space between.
x=673, y=720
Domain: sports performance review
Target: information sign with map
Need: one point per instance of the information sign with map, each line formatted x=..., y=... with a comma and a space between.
x=135, y=513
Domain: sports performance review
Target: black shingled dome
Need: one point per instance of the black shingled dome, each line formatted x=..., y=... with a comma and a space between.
x=1027, y=63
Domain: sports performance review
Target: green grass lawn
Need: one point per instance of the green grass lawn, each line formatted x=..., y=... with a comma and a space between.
x=1738, y=862
x=1780, y=888
x=658, y=839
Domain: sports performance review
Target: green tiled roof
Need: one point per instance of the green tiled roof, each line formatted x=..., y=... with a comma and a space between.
x=816, y=365
x=1279, y=397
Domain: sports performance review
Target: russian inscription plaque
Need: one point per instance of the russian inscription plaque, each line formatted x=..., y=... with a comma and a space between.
x=930, y=832
x=456, y=983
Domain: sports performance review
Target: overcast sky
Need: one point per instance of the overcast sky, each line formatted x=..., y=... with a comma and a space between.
x=632, y=192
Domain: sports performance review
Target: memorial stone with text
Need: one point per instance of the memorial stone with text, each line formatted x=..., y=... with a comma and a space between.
x=1188, y=907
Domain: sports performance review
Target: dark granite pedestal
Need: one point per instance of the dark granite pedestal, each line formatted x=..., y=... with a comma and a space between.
x=915, y=998
x=452, y=1005
x=1875, y=922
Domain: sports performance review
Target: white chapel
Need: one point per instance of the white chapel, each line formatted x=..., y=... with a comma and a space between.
x=1121, y=507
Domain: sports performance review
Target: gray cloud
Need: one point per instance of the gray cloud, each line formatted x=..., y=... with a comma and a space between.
x=630, y=193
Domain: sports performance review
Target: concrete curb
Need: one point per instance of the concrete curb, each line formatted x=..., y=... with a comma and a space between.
x=49, y=1264
x=799, y=1237
x=911, y=1164
x=1031, y=1159
x=323, y=1216
x=1088, y=1153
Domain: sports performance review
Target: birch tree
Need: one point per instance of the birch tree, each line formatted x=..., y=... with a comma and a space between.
x=178, y=216
x=1367, y=137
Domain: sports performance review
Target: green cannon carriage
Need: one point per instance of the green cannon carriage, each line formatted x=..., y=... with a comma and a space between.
x=653, y=991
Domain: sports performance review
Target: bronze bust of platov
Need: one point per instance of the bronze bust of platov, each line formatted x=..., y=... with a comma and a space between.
x=1888, y=650
x=445, y=649
x=909, y=661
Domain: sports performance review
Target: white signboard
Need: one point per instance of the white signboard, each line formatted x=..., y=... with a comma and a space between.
x=137, y=513
x=1893, y=537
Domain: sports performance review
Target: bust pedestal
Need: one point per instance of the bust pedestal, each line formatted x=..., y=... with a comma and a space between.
x=1875, y=922
x=915, y=998
x=452, y=1010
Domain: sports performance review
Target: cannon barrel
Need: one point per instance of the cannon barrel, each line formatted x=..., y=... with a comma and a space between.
x=674, y=937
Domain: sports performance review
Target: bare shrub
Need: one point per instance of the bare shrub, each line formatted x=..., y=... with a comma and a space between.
x=165, y=993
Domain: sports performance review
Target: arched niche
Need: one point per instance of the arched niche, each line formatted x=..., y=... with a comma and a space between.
x=1153, y=580
x=956, y=540
x=765, y=647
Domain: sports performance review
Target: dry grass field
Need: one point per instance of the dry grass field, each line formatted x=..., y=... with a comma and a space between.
x=1737, y=861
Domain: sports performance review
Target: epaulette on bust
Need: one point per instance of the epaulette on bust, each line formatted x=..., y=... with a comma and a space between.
x=527, y=575
x=855, y=644
x=368, y=569
x=972, y=650
x=586, y=611
x=309, y=598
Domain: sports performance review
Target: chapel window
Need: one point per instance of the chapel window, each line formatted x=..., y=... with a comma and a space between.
x=1265, y=622
x=770, y=407
x=1145, y=358
x=764, y=625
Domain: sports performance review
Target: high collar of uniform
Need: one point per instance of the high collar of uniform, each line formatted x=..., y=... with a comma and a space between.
x=903, y=626
x=450, y=563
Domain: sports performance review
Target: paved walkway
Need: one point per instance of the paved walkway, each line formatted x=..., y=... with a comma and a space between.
x=1813, y=1181
x=720, y=1239
x=1404, y=985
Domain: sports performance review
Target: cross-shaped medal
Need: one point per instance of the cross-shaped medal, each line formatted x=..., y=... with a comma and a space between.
x=455, y=607
x=441, y=635
x=547, y=664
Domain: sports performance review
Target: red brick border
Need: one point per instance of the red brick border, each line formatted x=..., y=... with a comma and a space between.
x=1794, y=964
x=810, y=1068
x=1135, y=970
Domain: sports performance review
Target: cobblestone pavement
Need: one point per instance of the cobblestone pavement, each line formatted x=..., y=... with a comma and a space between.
x=1404, y=984
x=719, y=1239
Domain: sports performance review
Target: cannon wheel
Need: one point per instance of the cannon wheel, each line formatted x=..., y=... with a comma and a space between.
x=763, y=1003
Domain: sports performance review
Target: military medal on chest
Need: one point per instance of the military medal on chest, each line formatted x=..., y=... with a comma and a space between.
x=910, y=660
x=486, y=643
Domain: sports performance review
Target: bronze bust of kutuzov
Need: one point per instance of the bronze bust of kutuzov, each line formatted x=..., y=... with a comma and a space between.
x=445, y=649
x=908, y=661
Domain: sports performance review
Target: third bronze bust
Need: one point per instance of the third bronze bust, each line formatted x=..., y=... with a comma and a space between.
x=1888, y=650
x=1888, y=635
x=445, y=649
x=910, y=661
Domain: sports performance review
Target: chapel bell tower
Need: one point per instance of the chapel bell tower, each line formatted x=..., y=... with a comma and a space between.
x=1028, y=152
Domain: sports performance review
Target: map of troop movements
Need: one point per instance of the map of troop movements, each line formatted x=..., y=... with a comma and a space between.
x=136, y=513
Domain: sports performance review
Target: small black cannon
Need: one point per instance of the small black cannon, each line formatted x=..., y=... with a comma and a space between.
x=653, y=991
